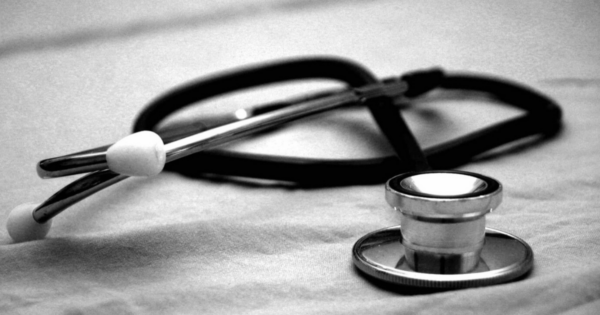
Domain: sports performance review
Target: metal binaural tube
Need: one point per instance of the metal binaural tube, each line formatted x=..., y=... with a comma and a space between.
x=224, y=134
x=102, y=178
x=75, y=192
x=192, y=142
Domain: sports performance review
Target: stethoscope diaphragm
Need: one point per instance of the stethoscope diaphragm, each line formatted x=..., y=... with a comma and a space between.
x=442, y=241
x=381, y=254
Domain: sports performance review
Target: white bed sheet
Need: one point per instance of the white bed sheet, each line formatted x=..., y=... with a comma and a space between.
x=74, y=77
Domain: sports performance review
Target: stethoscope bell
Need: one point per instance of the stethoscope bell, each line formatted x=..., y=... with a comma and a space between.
x=442, y=241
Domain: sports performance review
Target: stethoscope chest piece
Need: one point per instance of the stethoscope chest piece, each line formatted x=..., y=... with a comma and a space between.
x=442, y=241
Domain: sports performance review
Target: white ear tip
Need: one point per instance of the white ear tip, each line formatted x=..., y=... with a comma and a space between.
x=22, y=227
x=139, y=154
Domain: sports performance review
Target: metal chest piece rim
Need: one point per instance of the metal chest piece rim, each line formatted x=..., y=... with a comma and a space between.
x=442, y=242
x=504, y=257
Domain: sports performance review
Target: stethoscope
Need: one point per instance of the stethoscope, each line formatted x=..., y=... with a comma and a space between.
x=442, y=241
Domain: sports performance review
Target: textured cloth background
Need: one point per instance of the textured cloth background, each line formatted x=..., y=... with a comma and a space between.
x=73, y=76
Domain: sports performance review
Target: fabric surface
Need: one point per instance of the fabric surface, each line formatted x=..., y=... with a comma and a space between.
x=75, y=75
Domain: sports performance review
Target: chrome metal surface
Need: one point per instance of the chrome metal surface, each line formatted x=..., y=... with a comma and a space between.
x=443, y=215
x=231, y=132
x=75, y=192
x=245, y=124
x=471, y=199
x=76, y=163
x=443, y=184
x=211, y=138
x=443, y=247
x=381, y=254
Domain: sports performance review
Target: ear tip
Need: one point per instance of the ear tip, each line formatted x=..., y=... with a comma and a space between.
x=139, y=154
x=22, y=227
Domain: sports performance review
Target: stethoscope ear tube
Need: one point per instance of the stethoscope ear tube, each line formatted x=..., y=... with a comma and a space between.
x=180, y=148
x=542, y=116
x=208, y=87
x=388, y=118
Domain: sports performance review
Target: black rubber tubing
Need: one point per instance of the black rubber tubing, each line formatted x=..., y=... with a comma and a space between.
x=542, y=116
